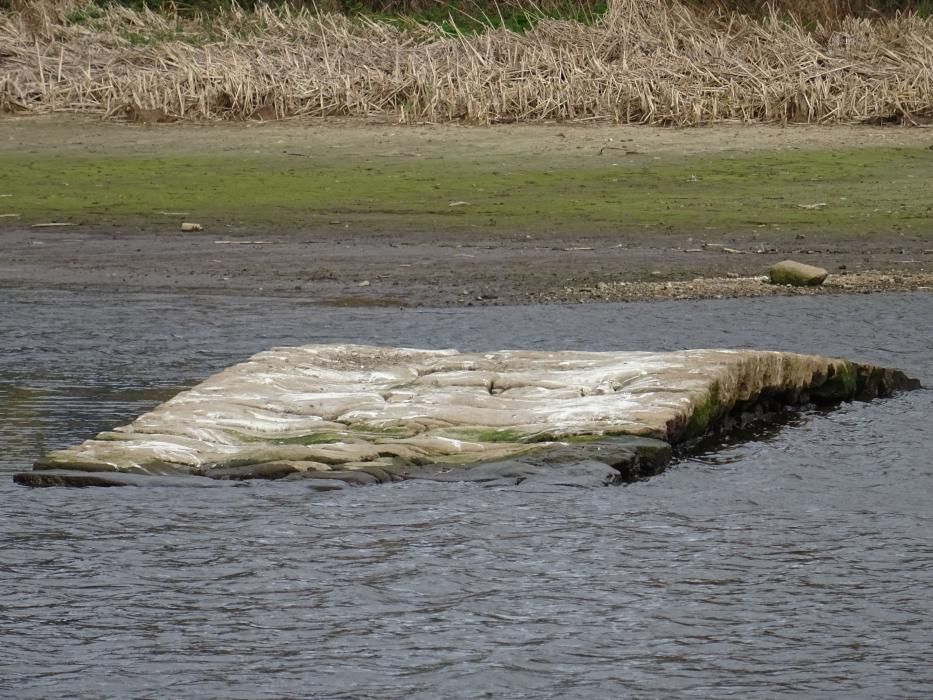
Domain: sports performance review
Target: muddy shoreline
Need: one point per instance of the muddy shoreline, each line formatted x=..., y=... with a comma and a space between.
x=373, y=216
x=416, y=270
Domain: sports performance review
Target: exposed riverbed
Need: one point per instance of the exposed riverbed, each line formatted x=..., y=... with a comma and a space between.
x=794, y=562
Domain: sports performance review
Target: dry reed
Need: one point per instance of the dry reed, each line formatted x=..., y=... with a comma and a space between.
x=647, y=61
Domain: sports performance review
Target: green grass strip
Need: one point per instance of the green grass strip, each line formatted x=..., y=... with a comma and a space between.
x=854, y=191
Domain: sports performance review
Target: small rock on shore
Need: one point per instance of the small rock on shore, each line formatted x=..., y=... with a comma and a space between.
x=797, y=274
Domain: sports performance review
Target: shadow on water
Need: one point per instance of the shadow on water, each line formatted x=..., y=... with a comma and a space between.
x=717, y=446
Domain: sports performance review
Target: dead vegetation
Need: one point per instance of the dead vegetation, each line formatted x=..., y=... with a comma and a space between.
x=647, y=61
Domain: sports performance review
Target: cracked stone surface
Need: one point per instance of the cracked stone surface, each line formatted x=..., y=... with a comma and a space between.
x=366, y=414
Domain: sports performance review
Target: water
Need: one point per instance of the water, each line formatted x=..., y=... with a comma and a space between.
x=796, y=564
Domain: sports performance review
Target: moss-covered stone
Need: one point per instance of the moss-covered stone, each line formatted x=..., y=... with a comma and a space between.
x=872, y=382
x=484, y=434
x=324, y=438
x=562, y=412
x=841, y=384
x=705, y=412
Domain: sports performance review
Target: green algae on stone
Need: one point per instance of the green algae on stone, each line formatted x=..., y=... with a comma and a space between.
x=841, y=384
x=322, y=438
x=487, y=434
x=704, y=413
x=560, y=406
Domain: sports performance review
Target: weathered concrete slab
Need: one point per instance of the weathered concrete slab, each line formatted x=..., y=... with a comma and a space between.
x=364, y=414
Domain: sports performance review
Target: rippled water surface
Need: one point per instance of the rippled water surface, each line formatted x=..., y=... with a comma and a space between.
x=798, y=563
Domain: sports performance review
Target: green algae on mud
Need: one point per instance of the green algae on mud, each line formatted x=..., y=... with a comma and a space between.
x=858, y=190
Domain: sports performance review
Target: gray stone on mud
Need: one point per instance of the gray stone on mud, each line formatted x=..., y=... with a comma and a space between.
x=797, y=274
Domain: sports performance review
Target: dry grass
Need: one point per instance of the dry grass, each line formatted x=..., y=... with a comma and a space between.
x=644, y=61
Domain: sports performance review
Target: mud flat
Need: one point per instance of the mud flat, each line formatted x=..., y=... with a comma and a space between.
x=350, y=213
x=338, y=415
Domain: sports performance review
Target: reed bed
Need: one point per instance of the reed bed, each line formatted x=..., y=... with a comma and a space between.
x=644, y=61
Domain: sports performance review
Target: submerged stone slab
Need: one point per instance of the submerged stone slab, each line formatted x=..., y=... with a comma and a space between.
x=365, y=414
x=80, y=479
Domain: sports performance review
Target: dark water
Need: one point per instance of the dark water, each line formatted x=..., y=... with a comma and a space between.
x=797, y=564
